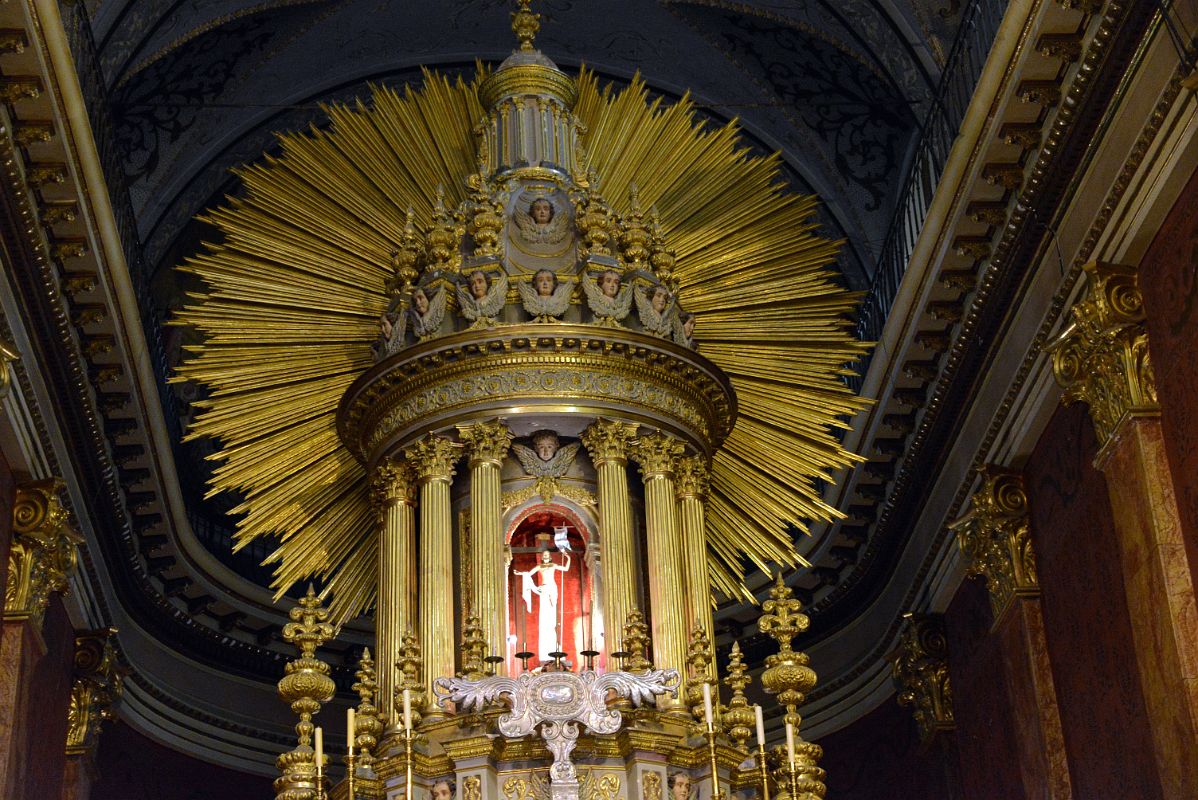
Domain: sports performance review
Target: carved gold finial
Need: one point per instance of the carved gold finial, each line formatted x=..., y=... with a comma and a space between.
x=593, y=217
x=636, y=643
x=994, y=535
x=700, y=666
x=442, y=251
x=305, y=686
x=42, y=555
x=920, y=670
x=787, y=673
x=634, y=236
x=525, y=25
x=485, y=216
x=474, y=648
x=738, y=716
x=404, y=261
x=1102, y=358
x=98, y=684
x=411, y=666
x=661, y=258
x=368, y=727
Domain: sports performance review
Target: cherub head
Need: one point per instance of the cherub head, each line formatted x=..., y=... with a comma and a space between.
x=688, y=324
x=420, y=302
x=444, y=789
x=659, y=298
x=546, y=444
x=478, y=284
x=680, y=785
x=541, y=211
x=545, y=281
x=609, y=282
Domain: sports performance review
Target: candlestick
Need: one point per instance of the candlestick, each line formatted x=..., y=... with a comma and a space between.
x=765, y=775
x=707, y=704
x=760, y=725
x=790, y=744
x=715, y=773
x=407, y=709
x=407, y=738
x=349, y=730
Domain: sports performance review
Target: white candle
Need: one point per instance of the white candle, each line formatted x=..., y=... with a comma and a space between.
x=707, y=702
x=760, y=726
x=407, y=709
x=349, y=728
x=319, y=749
x=790, y=744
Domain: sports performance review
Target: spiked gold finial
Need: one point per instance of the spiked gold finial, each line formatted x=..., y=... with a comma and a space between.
x=525, y=25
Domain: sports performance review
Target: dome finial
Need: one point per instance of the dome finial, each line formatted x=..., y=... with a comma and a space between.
x=525, y=25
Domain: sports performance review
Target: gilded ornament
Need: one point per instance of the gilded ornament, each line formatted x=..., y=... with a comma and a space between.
x=1101, y=358
x=405, y=259
x=42, y=554
x=594, y=221
x=650, y=786
x=442, y=250
x=658, y=454
x=634, y=235
x=474, y=648
x=394, y=482
x=368, y=727
x=433, y=458
x=485, y=442
x=787, y=674
x=920, y=670
x=738, y=717
x=661, y=258
x=472, y=788
x=700, y=663
x=636, y=643
x=97, y=687
x=692, y=477
x=8, y=354
x=609, y=440
x=525, y=25
x=411, y=671
x=305, y=687
x=995, y=537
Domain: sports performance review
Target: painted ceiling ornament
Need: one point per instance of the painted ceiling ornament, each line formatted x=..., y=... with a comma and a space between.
x=371, y=257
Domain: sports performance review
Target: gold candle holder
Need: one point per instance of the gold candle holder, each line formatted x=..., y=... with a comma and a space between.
x=408, y=737
x=351, y=762
x=715, y=773
x=765, y=775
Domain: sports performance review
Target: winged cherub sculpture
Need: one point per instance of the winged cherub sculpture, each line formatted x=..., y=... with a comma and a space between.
x=608, y=300
x=481, y=302
x=427, y=311
x=541, y=224
x=656, y=310
x=547, y=458
x=544, y=297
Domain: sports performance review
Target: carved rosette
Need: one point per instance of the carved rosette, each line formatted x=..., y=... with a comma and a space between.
x=98, y=685
x=920, y=670
x=42, y=555
x=1102, y=358
x=994, y=535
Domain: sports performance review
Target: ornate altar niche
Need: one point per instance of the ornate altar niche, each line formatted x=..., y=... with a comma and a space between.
x=479, y=328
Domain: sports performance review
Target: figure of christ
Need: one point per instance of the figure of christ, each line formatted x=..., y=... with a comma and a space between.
x=541, y=580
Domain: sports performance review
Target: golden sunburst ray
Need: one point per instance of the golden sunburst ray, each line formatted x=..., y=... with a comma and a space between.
x=294, y=292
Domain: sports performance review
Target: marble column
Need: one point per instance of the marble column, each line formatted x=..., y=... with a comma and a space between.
x=607, y=442
x=487, y=444
x=1102, y=359
x=994, y=536
x=658, y=454
x=394, y=495
x=433, y=459
x=691, y=479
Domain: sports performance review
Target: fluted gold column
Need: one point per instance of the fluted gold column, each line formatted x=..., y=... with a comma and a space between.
x=658, y=455
x=691, y=478
x=394, y=494
x=607, y=442
x=486, y=445
x=433, y=458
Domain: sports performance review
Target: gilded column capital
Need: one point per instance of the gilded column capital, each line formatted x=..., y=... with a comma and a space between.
x=994, y=535
x=42, y=555
x=1101, y=358
x=658, y=454
x=8, y=354
x=486, y=442
x=608, y=440
x=692, y=476
x=99, y=682
x=919, y=667
x=394, y=481
x=433, y=458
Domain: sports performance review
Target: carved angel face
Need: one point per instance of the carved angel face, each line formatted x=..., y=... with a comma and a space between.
x=544, y=282
x=680, y=786
x=420, y=302
x=545, y=443
x=541, y=211
x=688, y=325
x=442, y=790
x=609, y=283
x=478, y=284
x=661, y=296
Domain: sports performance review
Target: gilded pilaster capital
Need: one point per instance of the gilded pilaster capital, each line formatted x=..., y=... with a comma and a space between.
x=99, y=682
x=486, y=442
x=920, y=670
x=658, y=454
x=1101, y=358
x=692, y=477
x=8, y=354
x=393, y=482
x=608, y=440
x=433, y=458
x=994, y=535
x=42, y=555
